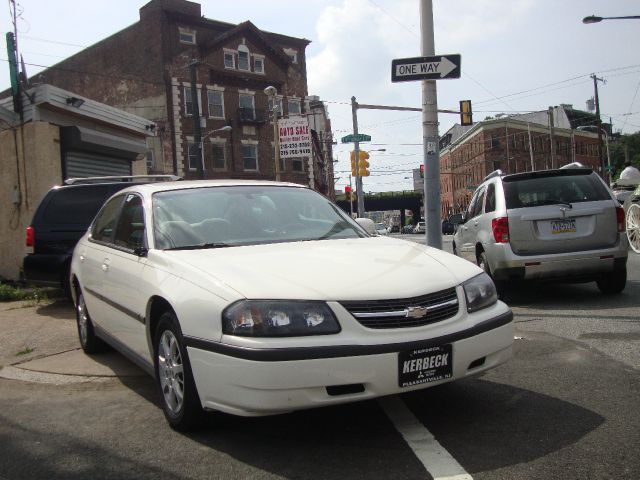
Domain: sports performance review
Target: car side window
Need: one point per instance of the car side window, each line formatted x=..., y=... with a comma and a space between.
x=105, y=222
x=490, y=202
x=130, y=230
x=468, y=214
x=477, y=208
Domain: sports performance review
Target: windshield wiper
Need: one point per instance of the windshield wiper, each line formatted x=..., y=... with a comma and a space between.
x=201, y=246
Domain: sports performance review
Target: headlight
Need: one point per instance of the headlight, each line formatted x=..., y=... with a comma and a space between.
x=278, y=318
x=480, y=292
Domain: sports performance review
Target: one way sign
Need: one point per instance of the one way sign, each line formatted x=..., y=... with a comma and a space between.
x=425, y=68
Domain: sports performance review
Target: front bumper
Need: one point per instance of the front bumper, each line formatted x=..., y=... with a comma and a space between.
x=255, y=381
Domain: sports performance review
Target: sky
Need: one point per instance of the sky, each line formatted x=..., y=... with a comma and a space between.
x=516, y=56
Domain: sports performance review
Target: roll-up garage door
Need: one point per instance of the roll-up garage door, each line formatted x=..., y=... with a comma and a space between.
x=84, y=164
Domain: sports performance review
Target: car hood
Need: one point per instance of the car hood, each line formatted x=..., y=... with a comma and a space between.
x=349, y=269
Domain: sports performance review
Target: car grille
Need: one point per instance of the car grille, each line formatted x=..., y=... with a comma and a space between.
x=406, y=312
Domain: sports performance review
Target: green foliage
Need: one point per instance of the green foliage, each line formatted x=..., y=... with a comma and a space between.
x=629, y=143
x=9, y=293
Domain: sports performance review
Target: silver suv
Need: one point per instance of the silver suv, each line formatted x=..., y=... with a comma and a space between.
x=558, y=225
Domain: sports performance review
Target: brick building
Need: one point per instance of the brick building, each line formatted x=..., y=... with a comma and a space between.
x=145, y=69
x=512, y=144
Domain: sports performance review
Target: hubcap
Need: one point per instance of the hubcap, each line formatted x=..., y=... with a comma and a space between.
x=171, y=371
x=83, y=319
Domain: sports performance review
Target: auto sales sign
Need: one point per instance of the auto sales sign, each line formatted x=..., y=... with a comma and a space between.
x=295, y=137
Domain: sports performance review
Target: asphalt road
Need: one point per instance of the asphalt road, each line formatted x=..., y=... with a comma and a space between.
x=565, y=407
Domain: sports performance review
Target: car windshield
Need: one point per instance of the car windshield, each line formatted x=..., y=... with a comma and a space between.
x=551, y=190
x=213, y=217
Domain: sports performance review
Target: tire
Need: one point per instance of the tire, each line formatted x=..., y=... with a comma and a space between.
x=178, y=393
x=633, y=226
x=89, y=342
x=613, y=282
x=501, y=285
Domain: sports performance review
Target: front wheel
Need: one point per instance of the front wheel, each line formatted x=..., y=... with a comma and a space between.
x=633, y=226
x=613, y=282
x=178, y=393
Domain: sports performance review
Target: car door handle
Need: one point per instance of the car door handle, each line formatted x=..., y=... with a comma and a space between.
x=105, y=265
x=82, y=258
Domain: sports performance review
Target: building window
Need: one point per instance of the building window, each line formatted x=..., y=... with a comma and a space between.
x=250, y=157
x=247, y=107
x=279, y=105
x=229, y=60
x=258, y=64
x=150, y=161
x=297, y=164
x=187, y=36
x=293, y=107
x=216, y=103
x=218, y=152
x=188, y=104
x=194, y=158
x=243, y=60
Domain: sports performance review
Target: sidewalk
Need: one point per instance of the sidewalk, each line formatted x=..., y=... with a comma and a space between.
x=39, y=342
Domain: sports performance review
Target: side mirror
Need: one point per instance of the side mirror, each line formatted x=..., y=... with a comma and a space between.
x=368, y=225
x=456, y=219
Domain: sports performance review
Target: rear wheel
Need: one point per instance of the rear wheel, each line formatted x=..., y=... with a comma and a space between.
x=178, y=393
x=89, y=342
x=501, y=286
x=613, y=282
x=633, y=226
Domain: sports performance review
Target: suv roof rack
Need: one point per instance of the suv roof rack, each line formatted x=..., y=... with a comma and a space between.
x=495, y=173
x=123, y=178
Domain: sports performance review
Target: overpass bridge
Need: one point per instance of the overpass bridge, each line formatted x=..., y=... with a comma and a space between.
x=381, y=201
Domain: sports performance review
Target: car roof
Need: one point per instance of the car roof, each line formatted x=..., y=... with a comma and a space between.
x=151, y=188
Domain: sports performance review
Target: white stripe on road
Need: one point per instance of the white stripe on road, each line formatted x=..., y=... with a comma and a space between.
x=438, y=462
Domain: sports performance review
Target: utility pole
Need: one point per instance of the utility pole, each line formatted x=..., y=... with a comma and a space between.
x=195, y=110
x=430, y=138
x=599, y=124
x=356, y=149
x=350, y=197
x=552, y=140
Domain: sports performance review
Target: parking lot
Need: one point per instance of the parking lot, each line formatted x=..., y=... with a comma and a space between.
x=566, y=406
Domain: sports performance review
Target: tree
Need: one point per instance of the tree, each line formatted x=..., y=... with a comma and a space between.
x=630, y=144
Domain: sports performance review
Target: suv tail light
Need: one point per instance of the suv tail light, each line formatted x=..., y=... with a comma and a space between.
x=500, y=228
x=620, y=218
x=31, y=240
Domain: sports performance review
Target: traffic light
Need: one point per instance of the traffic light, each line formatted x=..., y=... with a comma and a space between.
x=347, y=193
x=362, y=163
x=422, y=171
x=466, y=115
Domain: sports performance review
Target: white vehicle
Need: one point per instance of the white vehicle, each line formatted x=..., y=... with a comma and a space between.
x=381, y=229
x=225, y=292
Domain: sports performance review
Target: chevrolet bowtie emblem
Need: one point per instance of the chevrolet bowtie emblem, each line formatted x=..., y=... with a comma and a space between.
x=417, y=312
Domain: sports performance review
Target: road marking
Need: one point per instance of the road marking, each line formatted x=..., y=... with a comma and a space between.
x=438, y=462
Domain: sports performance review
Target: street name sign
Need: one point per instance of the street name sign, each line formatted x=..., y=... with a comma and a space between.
x=439, y=67
x=361, y=137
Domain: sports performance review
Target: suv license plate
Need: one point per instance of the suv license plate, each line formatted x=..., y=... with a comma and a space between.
x=425, y=365
x=563, y=226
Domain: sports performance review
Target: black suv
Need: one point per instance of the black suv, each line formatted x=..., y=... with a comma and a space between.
x=63, y=216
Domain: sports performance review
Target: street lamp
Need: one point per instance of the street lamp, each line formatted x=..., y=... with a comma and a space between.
x=226, y=128
x=595, y=19
x=606, y=141
x=271, y=92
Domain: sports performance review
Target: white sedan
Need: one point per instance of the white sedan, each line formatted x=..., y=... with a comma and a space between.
x=230, y=293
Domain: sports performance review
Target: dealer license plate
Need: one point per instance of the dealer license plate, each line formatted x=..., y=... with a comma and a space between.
x=563, y=226
x=425, y=365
